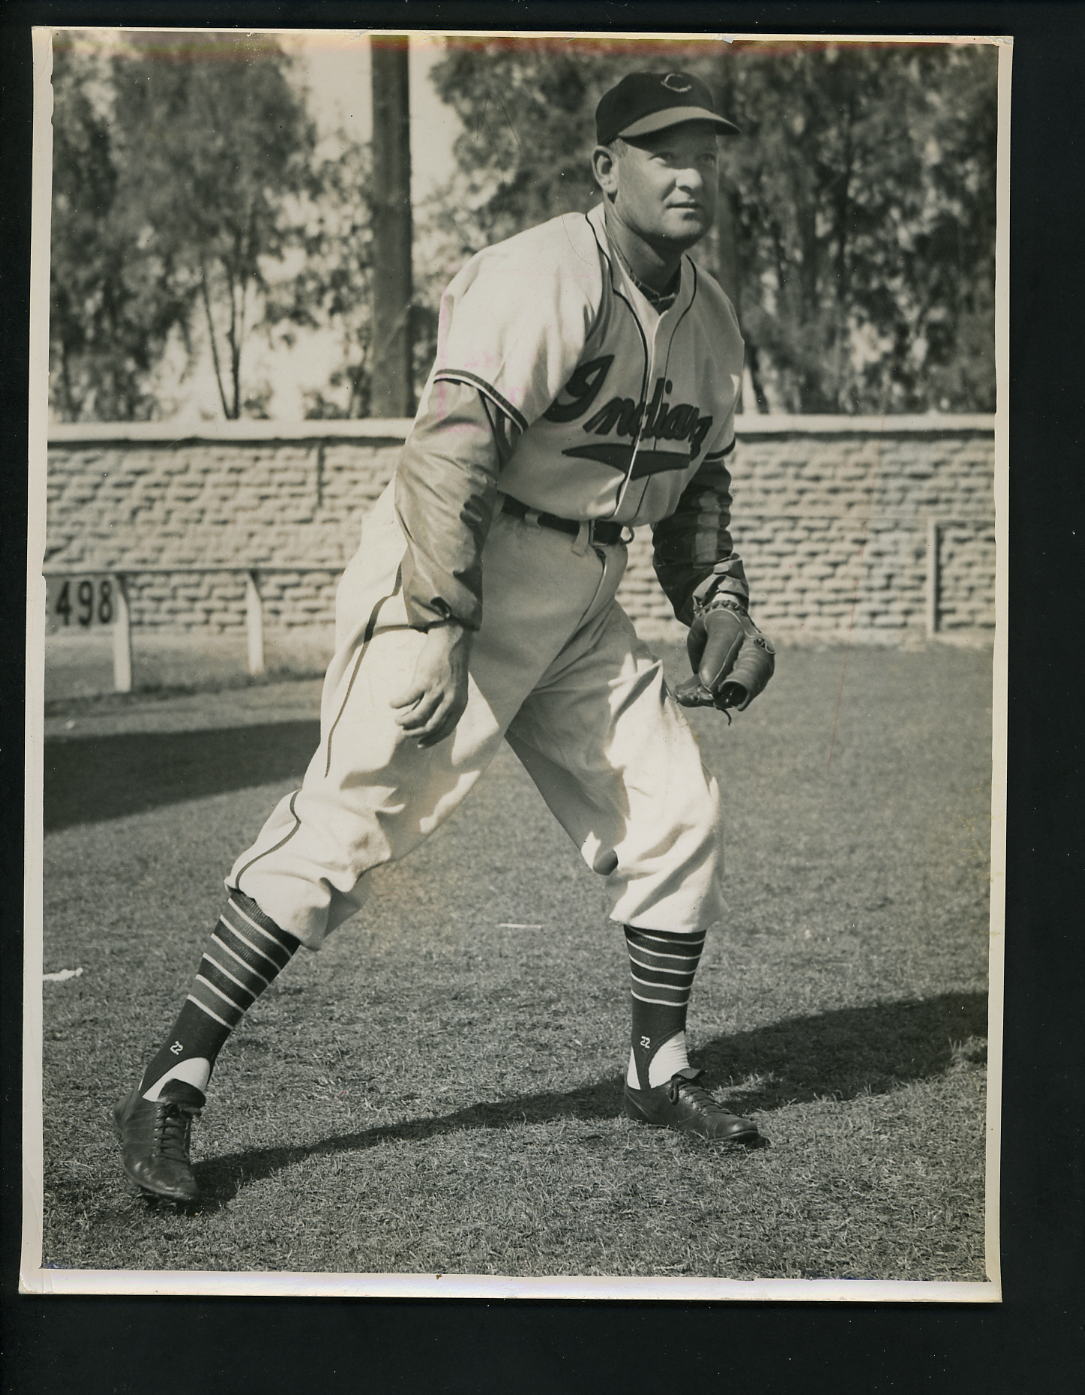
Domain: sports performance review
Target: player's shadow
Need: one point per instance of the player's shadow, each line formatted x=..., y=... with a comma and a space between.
x=839, y=1055
x=87, y=779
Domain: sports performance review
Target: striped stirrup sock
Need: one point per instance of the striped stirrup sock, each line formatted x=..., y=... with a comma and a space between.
x=246, y=953
x=661, y=968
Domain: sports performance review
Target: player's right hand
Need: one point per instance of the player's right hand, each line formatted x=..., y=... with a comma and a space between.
x=434, y=700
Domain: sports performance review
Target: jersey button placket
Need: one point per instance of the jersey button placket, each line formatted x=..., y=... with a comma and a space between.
x=649, y=379
x=639, y=436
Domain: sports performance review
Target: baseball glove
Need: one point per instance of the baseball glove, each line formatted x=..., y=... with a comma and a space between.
x=732, y=660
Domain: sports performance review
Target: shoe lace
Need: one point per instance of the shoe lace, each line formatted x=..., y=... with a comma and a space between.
x=173, y=1129
x=678, y=1085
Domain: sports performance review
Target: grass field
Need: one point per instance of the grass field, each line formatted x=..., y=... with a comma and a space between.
x=438, y=1091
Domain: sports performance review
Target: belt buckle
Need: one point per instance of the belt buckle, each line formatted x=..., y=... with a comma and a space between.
x=625, y=533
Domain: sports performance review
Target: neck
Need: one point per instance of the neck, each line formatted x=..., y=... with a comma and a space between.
x=655, y=265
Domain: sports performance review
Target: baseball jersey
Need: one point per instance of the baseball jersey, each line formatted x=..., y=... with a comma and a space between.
x=598, y=407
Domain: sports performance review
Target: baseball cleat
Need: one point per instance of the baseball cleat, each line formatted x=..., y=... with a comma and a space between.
x=681, y=1104
x=155, y=1137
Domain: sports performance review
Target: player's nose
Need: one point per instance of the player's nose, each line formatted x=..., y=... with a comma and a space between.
x=690, y=180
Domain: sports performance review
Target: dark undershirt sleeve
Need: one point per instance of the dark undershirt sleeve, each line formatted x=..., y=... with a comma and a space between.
x=692, y=549
x=445, y=495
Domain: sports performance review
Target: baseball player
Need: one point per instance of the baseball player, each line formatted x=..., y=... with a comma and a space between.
x=584, y=385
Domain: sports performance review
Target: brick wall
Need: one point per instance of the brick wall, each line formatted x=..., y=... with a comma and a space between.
x=837, y=519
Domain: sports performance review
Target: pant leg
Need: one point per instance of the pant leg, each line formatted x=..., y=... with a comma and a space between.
x=370, y=795
x=614, y=758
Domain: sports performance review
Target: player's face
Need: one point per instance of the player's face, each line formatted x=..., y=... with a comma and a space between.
x=666, y=184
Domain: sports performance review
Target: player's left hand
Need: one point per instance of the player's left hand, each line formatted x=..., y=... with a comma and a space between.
x=435, y=699
x=731, y=659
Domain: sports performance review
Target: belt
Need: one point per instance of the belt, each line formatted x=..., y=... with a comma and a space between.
x=599, y=530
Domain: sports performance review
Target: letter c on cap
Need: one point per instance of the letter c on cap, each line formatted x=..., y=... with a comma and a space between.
x=677, y=83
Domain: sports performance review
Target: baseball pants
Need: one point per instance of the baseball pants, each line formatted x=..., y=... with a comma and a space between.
x=557, y=670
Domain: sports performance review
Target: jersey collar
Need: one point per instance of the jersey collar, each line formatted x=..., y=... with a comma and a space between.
x=597, y=219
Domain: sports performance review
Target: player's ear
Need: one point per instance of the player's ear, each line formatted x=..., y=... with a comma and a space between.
x=604, y=166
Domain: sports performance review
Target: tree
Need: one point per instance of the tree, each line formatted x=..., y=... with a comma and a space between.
x=526, y=109
x=111, y=314
x=180, y=164
x=214, y=144
x=331, y=287
x=857, y=226
x=866, y=216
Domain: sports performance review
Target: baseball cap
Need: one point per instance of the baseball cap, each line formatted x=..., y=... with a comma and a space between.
x=645, y=102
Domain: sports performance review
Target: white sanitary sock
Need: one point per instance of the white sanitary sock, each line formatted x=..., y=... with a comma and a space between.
x=195, y=1071
x=668, y=1060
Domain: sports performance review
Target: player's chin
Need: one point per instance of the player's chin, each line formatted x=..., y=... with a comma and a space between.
x=687, y=223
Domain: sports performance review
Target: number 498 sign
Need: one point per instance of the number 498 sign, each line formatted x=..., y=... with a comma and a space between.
x=76, y=604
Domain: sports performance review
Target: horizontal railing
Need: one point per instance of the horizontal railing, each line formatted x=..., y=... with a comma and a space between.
x=121, y=618
x=122, y=614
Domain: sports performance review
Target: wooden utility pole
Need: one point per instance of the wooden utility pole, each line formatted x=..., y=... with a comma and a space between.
x=392, y=394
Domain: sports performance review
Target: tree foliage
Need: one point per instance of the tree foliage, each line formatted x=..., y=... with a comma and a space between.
x=330, y=288
x=857, y=235
x=214, y=141
x=193, y=207
x=111, y=309
x=172, y=200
